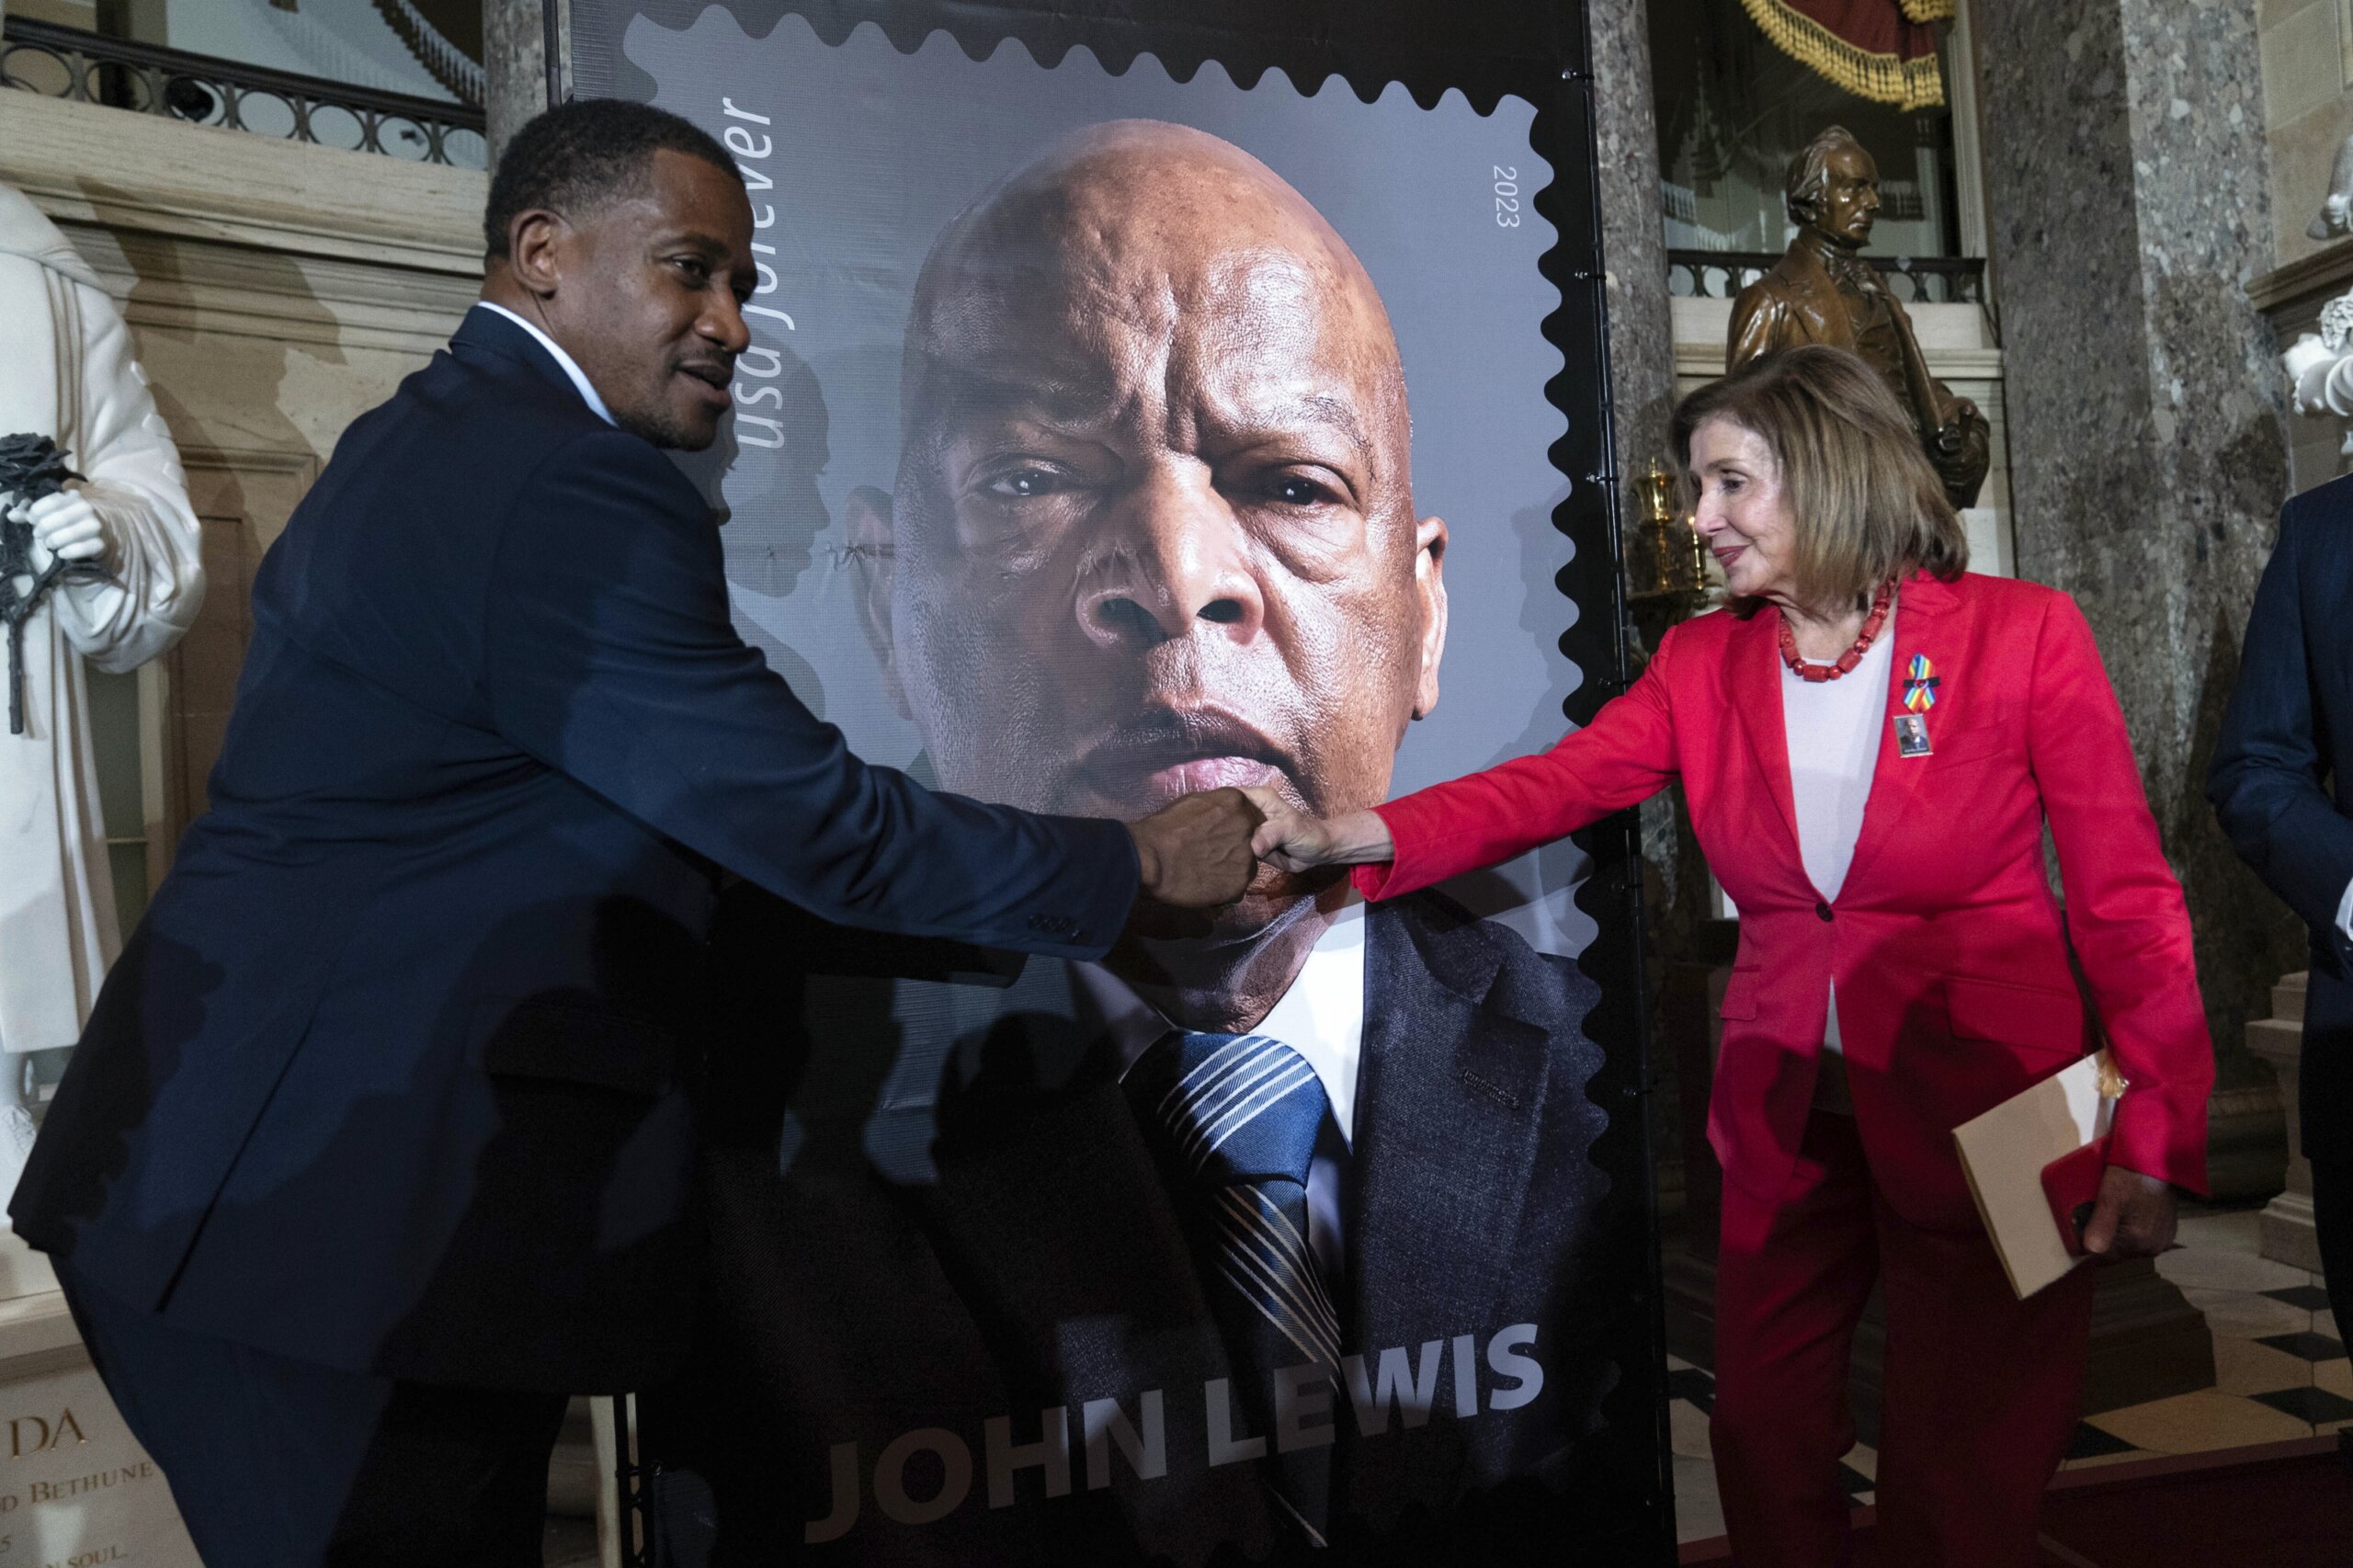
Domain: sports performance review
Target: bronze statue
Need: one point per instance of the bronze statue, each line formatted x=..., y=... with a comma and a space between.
x=1822, y=291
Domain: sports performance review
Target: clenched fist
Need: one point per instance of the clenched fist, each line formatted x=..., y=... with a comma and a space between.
x=1195, y=853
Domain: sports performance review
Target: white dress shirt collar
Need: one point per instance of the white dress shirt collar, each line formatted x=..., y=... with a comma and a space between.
x=579, y=377
x=1321, y=1017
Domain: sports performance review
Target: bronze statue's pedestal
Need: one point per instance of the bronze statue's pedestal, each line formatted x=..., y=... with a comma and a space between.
x=2286, y=1224
x=66, y=1432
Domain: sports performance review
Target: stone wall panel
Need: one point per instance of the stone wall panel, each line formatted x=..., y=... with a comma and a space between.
x=2128, y=178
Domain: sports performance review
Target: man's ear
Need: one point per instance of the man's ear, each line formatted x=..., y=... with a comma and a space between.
x=533, y=250
x=866, y=514
x=1429, y=584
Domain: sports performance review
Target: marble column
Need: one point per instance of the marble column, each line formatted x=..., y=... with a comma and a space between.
x=1642, y=333
x=2127, y=185
x=2286, y=1234
x=1634, y=233
x=514, y=42
x=1642, y=351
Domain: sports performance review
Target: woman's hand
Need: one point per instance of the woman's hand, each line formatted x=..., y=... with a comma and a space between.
x=1291, y=840
x=2135, y=1217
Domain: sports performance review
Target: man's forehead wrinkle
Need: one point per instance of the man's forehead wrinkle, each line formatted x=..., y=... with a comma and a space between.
x=1066, y=361
x=960, y=394
x=995, y=283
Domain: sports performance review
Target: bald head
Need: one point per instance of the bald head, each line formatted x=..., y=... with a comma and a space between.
x=1154, y=527
x=1105, y=246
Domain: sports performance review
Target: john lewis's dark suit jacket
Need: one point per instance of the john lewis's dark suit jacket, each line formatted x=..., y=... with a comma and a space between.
x=388, y=1078
x=2282, y=778
x=1040, y=1262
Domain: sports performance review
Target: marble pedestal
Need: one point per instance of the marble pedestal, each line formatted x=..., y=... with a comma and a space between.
x=76, y=1491
x=1990, y=550
x=2287, y=1228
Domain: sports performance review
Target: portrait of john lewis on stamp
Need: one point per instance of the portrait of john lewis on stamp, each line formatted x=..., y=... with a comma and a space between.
x=1259, y=1232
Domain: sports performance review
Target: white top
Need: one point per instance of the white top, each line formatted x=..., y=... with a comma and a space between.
x=1322, y=1017
x=1833, y=739
x=579, y=377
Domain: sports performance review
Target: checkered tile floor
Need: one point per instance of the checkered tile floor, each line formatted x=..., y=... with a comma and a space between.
x=2280, y=1371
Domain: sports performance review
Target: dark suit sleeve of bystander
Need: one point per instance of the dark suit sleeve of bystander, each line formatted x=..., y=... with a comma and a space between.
x=2270, y=761
x=610, y=655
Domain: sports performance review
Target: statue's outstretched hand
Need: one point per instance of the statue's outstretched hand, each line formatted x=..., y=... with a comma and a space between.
x=1294, y=841
x=65, y=526
x=2304, y=353
x=2312, y=370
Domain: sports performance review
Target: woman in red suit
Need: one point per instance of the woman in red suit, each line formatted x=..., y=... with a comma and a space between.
x=1871, y=744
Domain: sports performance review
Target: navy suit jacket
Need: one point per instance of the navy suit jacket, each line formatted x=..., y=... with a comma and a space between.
x=1041, y=1264
x=2282, y=778
x=389, y=1076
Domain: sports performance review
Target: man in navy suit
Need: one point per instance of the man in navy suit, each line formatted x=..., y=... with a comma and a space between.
x=2282, y=783
x=1155, y=494
x=375, y=1148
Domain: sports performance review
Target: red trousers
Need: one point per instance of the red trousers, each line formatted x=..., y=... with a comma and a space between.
x=1980, y=1393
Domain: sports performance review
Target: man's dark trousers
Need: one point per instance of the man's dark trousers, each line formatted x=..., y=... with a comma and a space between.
x=278, y=1460
x=2333, y=1226
x=2282, y=784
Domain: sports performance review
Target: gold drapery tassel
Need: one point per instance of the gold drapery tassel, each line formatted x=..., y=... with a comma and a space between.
x=1925, y=11
x=1882, y=79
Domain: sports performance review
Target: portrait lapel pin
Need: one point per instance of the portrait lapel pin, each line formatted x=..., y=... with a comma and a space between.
x=1920, y=684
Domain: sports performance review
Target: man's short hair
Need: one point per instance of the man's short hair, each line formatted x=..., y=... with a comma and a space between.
x=579, y=154
x=1809, y=174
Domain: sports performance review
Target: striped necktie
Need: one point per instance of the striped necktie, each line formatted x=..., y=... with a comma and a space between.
x=1238, y=1115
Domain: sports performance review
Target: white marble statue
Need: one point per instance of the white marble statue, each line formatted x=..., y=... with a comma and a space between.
x=66, y=372
x=2320, y=365
x=2336, y=217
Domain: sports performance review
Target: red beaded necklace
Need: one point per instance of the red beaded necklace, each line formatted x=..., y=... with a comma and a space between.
x=1852, y=656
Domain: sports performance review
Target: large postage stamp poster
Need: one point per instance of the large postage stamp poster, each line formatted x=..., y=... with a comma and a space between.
x=1123, y=420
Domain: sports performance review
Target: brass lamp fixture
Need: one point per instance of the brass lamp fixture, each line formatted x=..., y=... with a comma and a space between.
x=1665, y=560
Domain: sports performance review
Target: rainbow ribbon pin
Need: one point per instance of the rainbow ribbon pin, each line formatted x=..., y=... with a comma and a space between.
x=1920, y=686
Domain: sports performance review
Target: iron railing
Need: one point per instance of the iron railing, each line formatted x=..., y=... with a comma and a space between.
x=67, y=63
x=1918, y=279
x=451, y=66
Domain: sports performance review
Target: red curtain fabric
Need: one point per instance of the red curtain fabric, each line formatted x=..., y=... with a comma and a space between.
x=1880, y=49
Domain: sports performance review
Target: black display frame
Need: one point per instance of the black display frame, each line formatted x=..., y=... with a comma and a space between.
x=1540, y=50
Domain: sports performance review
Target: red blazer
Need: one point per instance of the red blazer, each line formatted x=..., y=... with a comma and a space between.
x=1954, y=987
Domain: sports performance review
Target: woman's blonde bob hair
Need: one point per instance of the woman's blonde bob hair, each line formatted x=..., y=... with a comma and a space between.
x=1865, y=504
